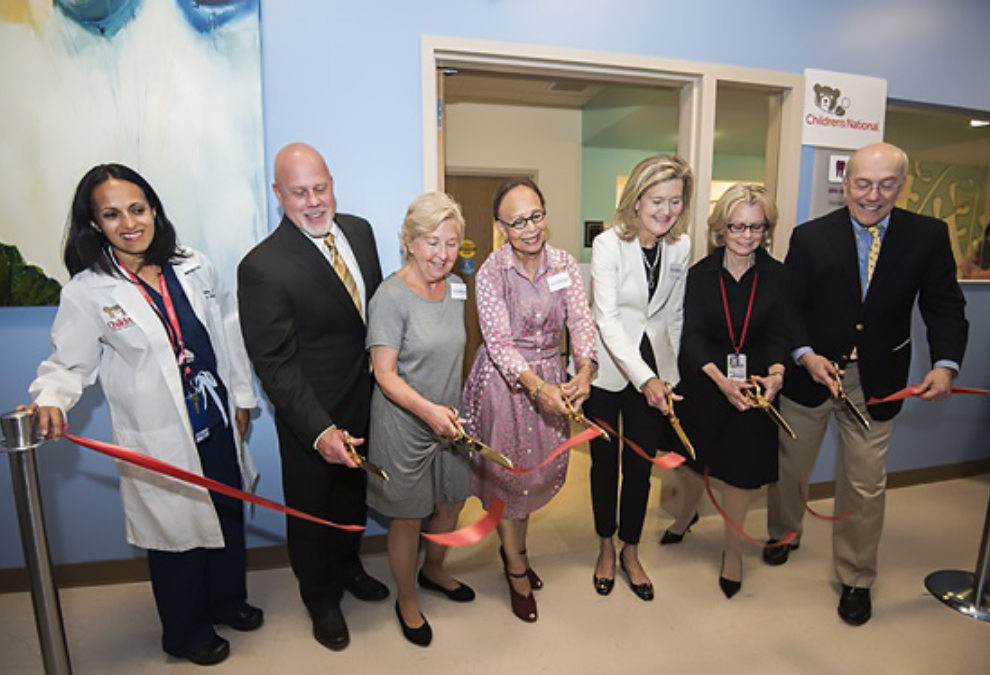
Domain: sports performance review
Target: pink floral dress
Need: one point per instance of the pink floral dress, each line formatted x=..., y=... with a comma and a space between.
x=523, y=322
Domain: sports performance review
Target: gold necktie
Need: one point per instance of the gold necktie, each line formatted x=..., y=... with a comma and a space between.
x=340, y=267
x=871, y=260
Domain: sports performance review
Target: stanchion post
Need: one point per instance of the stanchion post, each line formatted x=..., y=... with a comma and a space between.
x=966, y=592
x=20, y=442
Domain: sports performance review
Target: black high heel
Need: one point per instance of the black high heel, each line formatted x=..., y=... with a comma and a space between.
x=642, y=591
x=670, y=537
x=728, y=586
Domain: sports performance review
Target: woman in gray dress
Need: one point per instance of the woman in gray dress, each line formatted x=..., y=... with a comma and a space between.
x=416, y=337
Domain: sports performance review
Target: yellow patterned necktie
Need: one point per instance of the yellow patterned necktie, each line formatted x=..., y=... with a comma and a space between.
x=871, y=260
x=340, y=267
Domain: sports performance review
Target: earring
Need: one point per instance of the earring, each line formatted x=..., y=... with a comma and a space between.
x=95, y=227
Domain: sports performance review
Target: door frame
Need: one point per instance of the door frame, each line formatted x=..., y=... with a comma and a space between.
x=696, y=126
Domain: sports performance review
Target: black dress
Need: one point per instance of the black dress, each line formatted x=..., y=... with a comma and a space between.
x=739, y=448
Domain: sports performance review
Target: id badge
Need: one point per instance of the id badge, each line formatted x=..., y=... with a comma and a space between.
x=197, y=416
x=736, y=367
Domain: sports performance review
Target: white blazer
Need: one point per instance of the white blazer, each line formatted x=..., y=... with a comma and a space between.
x=624, y=312
x=104, y=327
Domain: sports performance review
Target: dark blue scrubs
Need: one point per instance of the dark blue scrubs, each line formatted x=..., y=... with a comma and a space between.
x=201, y=587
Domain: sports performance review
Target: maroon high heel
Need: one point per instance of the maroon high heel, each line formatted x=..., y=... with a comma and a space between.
x=534, y=580
x=523, y=606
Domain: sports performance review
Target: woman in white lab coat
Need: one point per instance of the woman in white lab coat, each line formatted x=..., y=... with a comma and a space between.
x=154, y=322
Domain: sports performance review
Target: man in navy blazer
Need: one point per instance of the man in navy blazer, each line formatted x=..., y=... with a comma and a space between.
x=305, y=335
x=854, y=323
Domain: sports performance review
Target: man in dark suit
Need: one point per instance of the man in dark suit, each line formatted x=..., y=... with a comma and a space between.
x=303, y=319
x=856, y=274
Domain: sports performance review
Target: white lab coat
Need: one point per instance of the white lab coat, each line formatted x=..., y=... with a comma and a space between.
x=624, y=312
x=105, y=327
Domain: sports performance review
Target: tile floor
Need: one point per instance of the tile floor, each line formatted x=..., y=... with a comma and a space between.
x=783, y=621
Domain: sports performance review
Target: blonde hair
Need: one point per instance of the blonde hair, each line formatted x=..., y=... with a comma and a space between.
x=645, y=175
x=741, y=193
x=425, y=214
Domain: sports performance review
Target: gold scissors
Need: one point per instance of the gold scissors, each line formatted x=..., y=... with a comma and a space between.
x=577, y=416
x=474, y=445
x=675, y=422
x=755, y=396
x=860, y=417
x=373, y=469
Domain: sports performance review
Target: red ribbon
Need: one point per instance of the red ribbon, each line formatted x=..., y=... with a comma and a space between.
x=915, y=390
x=462, y=537
x=735, y=527
x=669, y=461
x=821, y=516
x=471, y=534
x=578, y=439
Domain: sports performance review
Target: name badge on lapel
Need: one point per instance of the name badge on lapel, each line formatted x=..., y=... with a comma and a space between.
x=458, y=291
x=676, y=270
x=117, y=318
x=559, y=281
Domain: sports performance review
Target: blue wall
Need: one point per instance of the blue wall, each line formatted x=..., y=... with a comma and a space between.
x=344, y=76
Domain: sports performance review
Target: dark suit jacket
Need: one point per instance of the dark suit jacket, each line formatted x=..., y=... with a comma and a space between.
x=303, y=333
x=915, y=262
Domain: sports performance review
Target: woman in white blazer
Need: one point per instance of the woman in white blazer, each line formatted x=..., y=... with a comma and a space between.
x=638, y=270
x=154, y=322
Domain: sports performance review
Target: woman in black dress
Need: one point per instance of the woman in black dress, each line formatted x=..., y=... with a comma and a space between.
x=734, y=334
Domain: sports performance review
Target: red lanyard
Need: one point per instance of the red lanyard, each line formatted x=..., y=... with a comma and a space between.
x=171, y=321
x=749, y=312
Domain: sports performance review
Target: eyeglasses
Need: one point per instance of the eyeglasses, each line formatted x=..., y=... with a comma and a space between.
x=755, y=228
x=536, y=217
x=888, y=186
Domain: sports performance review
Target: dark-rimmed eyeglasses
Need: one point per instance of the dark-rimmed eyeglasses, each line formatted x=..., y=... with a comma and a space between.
x=536, y=217
x=755, y=228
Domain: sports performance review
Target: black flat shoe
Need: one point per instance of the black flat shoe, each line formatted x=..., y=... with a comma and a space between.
x=247, y=618
x=642, y=591
x=603, y=585
x=855, y=607
x=215, y=651
x=422, y=636
x=463, y=592
x=775, y=553
x=365, y=587
x=669, y=537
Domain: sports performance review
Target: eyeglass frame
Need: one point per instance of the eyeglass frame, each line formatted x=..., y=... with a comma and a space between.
x=740, y=228
x=536, y=217
x=861, y=186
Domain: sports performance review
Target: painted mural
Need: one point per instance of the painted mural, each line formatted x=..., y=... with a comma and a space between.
x=169, y=87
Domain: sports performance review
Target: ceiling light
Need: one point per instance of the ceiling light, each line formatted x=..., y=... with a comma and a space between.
x=979, y=123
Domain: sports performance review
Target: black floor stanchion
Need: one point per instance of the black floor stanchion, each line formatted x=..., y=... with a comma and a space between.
x=20, y=441
x=966, y=592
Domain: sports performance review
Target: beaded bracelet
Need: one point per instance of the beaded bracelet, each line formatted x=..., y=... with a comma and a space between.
x=539, y=388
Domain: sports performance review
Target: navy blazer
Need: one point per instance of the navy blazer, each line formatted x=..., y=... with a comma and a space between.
x=832, y=317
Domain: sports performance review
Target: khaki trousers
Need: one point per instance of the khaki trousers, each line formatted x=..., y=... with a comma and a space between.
x=860, y=480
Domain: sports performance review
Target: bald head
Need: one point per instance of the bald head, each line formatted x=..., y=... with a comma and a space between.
x=873, y=181
x=304, y=189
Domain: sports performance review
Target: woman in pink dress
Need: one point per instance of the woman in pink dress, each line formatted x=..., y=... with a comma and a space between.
x=528, y=292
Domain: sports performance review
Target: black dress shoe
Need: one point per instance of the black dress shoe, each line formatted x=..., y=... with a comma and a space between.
x=365, y=587
x=669, y=537
x=421, y=636
x=214, y=652
x=463, y=592
x=855, y=607
x=642, y=591
x=330, y=629
x=777, y=555
x=247, y=618
x=603, y=585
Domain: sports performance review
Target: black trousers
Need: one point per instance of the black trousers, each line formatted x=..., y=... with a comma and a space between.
x=198, y=588
x=322, y=558
x=646, y=427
